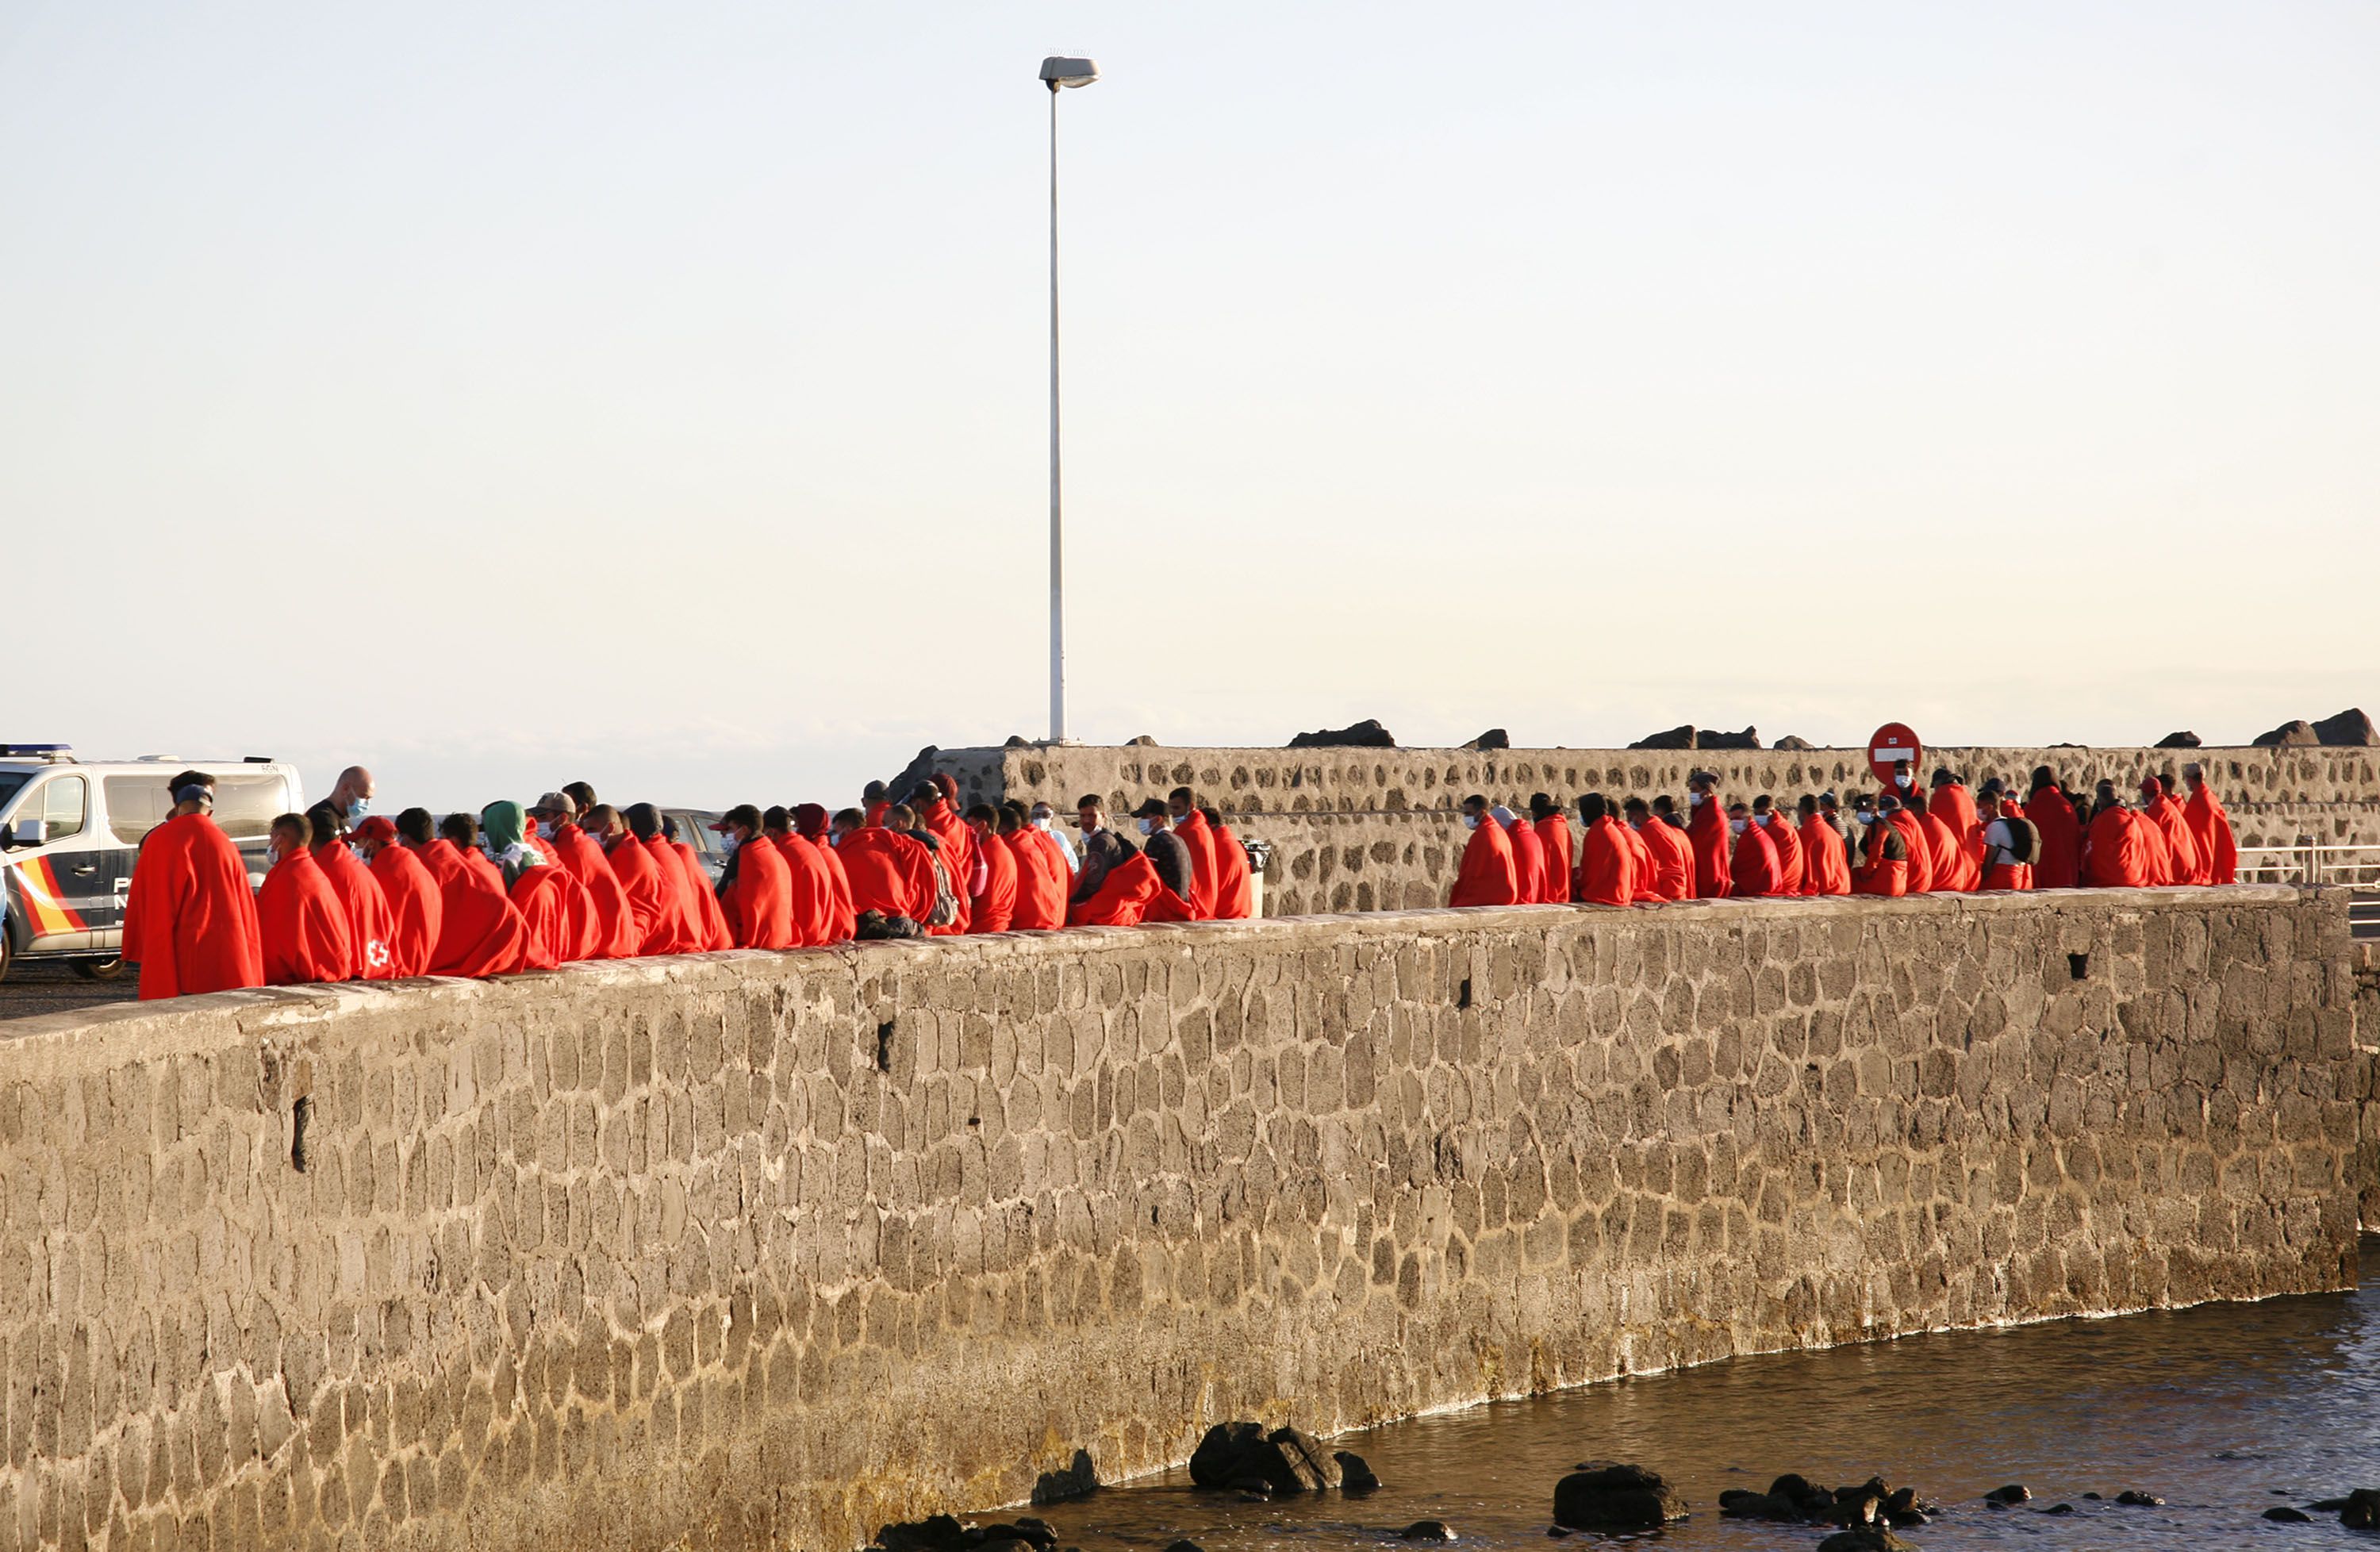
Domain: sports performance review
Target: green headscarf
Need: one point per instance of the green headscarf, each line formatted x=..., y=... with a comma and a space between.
x=502, y=823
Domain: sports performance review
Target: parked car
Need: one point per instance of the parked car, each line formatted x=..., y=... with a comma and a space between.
x=69, y=831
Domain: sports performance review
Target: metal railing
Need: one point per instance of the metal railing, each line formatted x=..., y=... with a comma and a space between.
x=2356, y=867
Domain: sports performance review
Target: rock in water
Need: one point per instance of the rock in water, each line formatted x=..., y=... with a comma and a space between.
x=1184, y=1545
x=2058, y=1508
x=1242, y=1455
x=1427, y=1530
x=2015, y=1492
x=1865, y=1538
x=2287, y=735
x=938, y=1532
x=2139, y=1499
x=2178, y=741
x=1365, y=735
x=1494, y=738
x=1620, y=1496
x=2282, y=1514
x=1355, y=1476
x=2350, y=728
x=1748, y=739
x=2361, y=1511
x=1676, y=738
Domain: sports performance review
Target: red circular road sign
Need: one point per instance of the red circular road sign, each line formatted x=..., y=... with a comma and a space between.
x=1894, y=741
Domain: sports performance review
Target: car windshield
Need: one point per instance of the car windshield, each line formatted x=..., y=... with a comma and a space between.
x=11, y=783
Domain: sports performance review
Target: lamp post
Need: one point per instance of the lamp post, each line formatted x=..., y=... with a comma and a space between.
x=1057, y=72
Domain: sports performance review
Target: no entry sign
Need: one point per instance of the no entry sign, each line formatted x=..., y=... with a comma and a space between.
x=1894, y=741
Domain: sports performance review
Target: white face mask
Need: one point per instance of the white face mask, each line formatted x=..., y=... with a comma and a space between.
x=1760, y=818
x=835, y=839
x=727, y=845
x=1693, y=800
x=272, y=856
x=545, y=829
x=1471, y=822
x=1737, y=825
x=1148, y=827
x=1088, y=827
x=1043, y=818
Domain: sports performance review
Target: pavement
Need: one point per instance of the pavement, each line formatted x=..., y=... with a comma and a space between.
x=32, y=989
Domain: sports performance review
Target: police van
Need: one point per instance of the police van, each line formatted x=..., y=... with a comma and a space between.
x=69, y=831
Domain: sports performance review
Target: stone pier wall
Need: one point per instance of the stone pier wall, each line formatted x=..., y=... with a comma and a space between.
x=1365, y=829
x=759, y=1251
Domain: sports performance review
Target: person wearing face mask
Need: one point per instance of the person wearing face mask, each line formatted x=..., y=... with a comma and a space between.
x=1769, y=820
x=1673, y=857
x=1607, y=864
x=1554, y=850
x=1234, y=887
x=1041, y=876
x=756, y=893
x=1884, y=851
x=479, y=930
x=1103, y=848
x=1167, y=852
x=575, y=853
x=350, y=798
x=558, y=913
x=1644, y=883
x=2009, y=842
x=1045, y=820
x=1753, y=872
x=938, y=815
x=1489, y=875
x=993, y=908
x=189, y=917
x=1190, y=826
x=890, y=871
x=2121, y=851
x=2181, y=847
x=1904, y=782
x=371, y=923
x=1706, y=834
x=696, y=895
x=412, y=896
x=1919, y=875
x=652, y=896
x=1826, y=862
x=811, y=824
x=1528, y=856
x=301, y=925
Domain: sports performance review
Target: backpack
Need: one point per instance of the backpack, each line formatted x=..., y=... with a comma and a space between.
x=2024, y=841
x=946, y=905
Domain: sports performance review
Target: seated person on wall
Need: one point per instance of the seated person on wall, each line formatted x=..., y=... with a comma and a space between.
x=1883, y=865
x=415, y=910
x=1606, y=859
x=1657, y=826
x=2211, y=827
x=1707, y=833
x=1234, y=886
x=2120, y=848
x=370, y=923
x=1167, y=852
x=1826, y=861
x=303, y=925
x=1488, y=876
x=2011, y=843
x=1558, y=855
x=1190, y=827
x=2054, y=816
x=1754, y=871
x=1102, y=847
x=1769, y=820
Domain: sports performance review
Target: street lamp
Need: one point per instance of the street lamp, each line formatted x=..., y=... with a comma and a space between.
x=1057, y=72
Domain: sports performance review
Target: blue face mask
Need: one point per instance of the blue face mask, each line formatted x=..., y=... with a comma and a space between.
x=357, y=809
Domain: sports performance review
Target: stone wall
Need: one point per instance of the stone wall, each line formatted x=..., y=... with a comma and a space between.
x=765, y=1250
x=1363, y=830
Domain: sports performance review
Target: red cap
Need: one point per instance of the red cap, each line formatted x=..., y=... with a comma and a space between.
x=376, y=828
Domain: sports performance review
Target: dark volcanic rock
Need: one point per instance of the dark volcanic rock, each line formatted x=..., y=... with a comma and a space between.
x=2178, y=741
x=920, y=769
x=2288, y=734
x=938, y=1532
x=2139, y=1499
x=1748, y=739
x=2350, y=728
x=1016, y=741
x=1354, y=1475
x=1738, y=1503
x=2058, y=1508
x=1792, y=741
x=2361, y=1510
x=1426, y=1529
x=1494, y=738
x=1676, y=738
x=1865, y=1538
x=1184, y=1545
x=1365, y=735
x=1142, y=742
x=2015, y=1492
x=1606, y=1498
x=2283, y=1514
x=1242, y=1455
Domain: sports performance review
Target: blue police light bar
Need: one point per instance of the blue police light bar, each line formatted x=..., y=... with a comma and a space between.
x=36, y=751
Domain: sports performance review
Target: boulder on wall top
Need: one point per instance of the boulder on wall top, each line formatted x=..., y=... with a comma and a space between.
x=2288, y=735
x=1365, y=735
x=2350, y=729
x=1494, y=738
x=2178, y=741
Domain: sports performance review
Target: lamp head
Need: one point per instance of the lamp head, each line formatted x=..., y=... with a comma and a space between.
x=1057, y=72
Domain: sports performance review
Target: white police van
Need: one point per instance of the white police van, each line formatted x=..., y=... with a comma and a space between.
x=70, y=833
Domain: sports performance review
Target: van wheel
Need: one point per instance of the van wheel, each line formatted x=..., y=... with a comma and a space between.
x=99, y=969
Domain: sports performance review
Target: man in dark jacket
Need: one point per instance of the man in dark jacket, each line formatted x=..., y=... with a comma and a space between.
x=1166, y=851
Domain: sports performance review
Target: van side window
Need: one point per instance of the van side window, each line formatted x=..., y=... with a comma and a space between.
x=246, y=805
x=136, y=805
x=65, y=802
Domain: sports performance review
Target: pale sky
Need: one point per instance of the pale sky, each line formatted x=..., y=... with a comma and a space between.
x=657, y=394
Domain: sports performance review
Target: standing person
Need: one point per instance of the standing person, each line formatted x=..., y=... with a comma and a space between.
x=1553, y=846
x=1884, y=850
x=190, y=918
x=2060, y=829
x=1167, y=852
x=1753, y=872
x=415, y=910
x=2210, y=827
x=350, y=801
x=1234, y=886
x=301, y=924
x=479, y=930
x=1706, y=834
x=651, y=894
x=371, y=923
x=1607, y=864
x=1826, y=862
x=1041, y=876
x=1190, y=826
x=1102, y=847
x=1529, y=857
x=890, y=871
x=2181, y=847
x=1770, y=821
x=757, y=895
x=810, y=823
x=578, y=854
x=2009, y=841
x=993, y=909
x=1486, y=876
x=1674, y=855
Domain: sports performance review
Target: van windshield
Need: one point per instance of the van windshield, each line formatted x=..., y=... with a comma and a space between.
x=11, y=783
